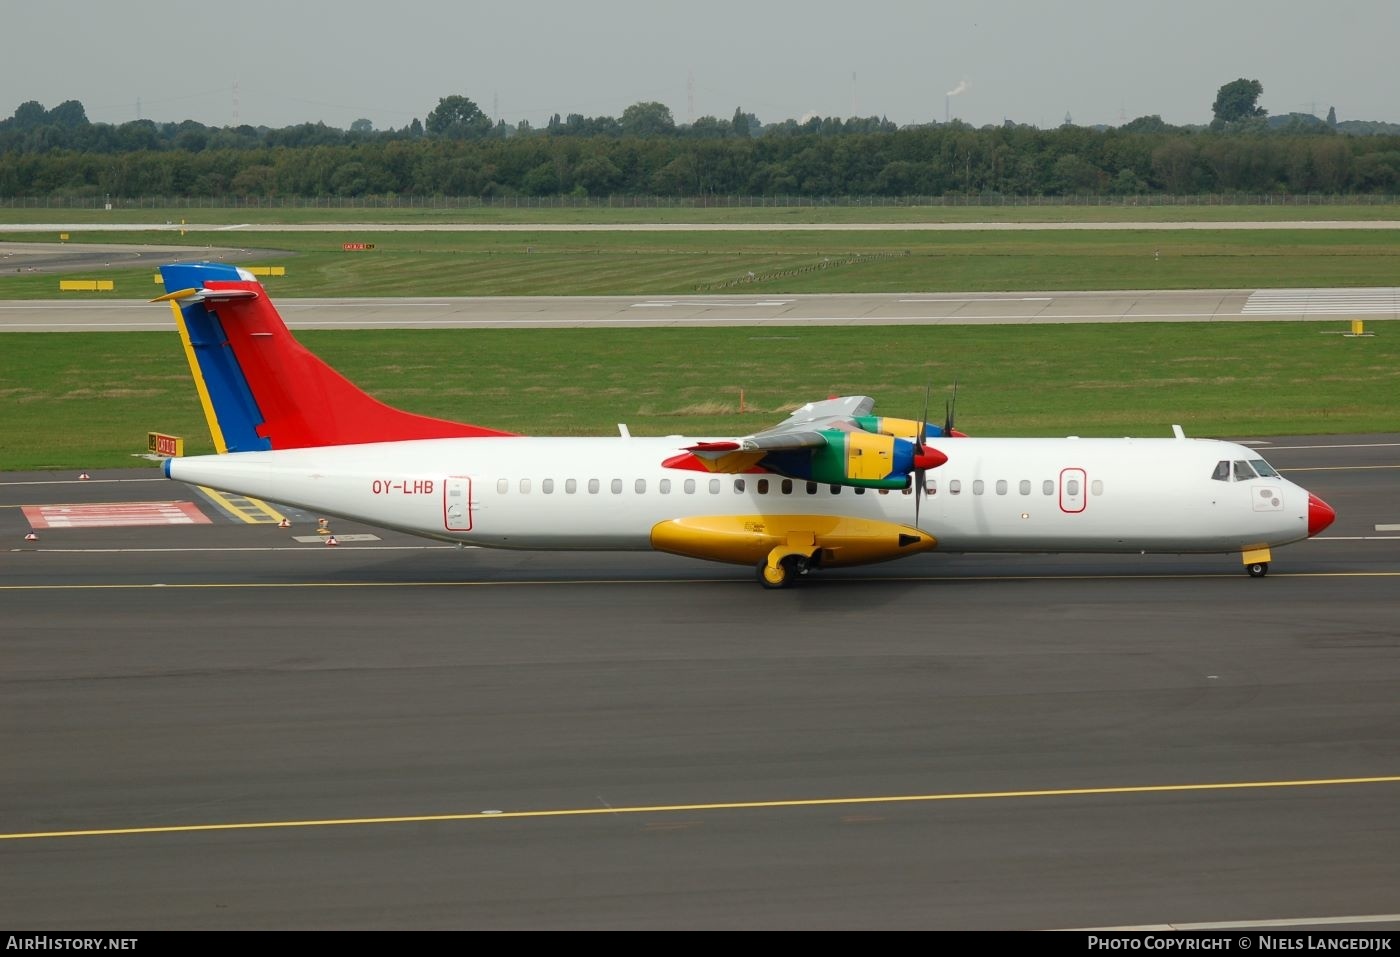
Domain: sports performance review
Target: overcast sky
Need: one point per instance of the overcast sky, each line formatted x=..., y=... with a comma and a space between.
x=983, y=61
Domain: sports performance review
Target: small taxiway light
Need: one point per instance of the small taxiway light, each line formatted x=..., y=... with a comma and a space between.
x=284, y=524
x=332, y=541
x=83, y=476
x=31, y=537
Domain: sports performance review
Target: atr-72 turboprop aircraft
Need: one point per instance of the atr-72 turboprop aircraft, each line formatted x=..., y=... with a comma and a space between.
x=832, y=485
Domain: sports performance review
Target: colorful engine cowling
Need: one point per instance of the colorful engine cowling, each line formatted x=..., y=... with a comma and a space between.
x=856, y=457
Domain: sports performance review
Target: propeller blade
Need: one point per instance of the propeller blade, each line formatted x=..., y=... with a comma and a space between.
x=919, y=451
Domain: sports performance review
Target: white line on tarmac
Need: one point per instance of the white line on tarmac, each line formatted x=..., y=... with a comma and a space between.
x=1239, y=924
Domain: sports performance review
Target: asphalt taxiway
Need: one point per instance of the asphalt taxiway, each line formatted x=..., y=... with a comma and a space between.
x=236, y=725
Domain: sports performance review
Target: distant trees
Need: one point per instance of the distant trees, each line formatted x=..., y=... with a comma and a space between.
x=461, y=152
x=457, y=118
x=1237, y=101
x=648, y=119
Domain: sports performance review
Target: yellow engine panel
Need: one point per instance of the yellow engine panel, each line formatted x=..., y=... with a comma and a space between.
x=869, y=456
x=747, y=539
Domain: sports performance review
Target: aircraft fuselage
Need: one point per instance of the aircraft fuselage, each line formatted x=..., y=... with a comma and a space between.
x=992, y=495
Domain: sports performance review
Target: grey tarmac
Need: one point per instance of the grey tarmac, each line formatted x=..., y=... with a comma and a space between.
x=394, y=734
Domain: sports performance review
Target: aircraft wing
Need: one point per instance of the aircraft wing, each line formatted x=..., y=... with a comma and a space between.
x=827, y=441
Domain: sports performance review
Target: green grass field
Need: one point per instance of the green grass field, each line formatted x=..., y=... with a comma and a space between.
x=817, y=212
x=87, y=401
x=672, y=263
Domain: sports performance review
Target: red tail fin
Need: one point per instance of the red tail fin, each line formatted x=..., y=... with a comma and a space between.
x=265, y=389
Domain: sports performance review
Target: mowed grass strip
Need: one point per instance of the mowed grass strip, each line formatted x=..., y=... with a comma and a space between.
x=87, y=400
x=770, y=263
x=811, y=211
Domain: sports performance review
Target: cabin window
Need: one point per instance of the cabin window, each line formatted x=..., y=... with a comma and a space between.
x=1264, y=468
x=1096, y=487
x=547, y=486
x=1072, y=487
x=1243, y=472
x=640, y=486
x=616, y=486
x=955, y=486
x=570, y=486
x=714, y=486
x=907, y=490
x=1001, y=486
x=978, y=486
x=738, y=486
x=502, y=486
x=811, y=488
x=883, y=491
x=762, y=486
x=787, y=486
x=835, y=490
x=859, y=490
x=665, y=485
x=1222, y=471
x=690, y=486
x=931, y=486
x=525, y=486
x=593, y=486
x=1048, y=487
x=1025, y=486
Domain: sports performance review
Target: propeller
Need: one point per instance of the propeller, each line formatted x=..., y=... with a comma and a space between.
x=924, y=458
x=948, y=408
x=919, y=468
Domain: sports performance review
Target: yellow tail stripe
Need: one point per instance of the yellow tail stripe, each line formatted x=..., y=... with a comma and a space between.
x=215, y=432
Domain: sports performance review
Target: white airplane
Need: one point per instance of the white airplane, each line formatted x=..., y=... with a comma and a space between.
x=831, y=486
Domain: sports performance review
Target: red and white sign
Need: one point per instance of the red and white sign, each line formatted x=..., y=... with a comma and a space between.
x=113, y=514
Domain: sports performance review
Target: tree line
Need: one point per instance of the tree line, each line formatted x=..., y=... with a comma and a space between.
x=461, y=152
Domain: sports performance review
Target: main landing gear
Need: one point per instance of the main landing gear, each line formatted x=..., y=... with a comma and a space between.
x=1257, y=569
x=788, y=570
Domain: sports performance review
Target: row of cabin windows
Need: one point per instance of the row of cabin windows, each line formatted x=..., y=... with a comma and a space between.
x=785, y=486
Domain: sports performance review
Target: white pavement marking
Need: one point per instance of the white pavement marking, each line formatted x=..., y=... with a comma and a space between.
x=1272, y=302
x=246, y=548
x=82, y=481
x=1279, y=922
x=1369, y=445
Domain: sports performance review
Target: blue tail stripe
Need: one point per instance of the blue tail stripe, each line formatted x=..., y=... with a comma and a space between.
x=234, y=405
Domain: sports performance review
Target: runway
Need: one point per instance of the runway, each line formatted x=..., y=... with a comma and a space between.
x=222, y=725
x=784, y=311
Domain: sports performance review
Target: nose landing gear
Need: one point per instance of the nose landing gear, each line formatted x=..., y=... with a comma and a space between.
x=1256, y=562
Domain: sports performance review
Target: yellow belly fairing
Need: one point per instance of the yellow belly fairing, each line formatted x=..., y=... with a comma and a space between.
x=747, y=539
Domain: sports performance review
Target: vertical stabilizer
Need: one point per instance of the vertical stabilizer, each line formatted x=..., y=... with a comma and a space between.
x=260, y=388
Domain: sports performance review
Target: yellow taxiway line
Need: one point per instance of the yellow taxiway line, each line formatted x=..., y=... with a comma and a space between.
x=724, y=806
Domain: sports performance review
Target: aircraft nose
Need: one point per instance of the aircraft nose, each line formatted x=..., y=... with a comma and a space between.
x=1320, y=515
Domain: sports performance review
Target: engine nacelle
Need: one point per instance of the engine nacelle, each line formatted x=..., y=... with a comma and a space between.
x=856, y=458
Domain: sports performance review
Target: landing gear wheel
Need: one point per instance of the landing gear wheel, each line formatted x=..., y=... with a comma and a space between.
x=789, y=569
x=1257, y=569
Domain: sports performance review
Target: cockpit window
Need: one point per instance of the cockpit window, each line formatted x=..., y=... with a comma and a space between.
x=1243, y=472
x=1264, y=468
x=1222, y=471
